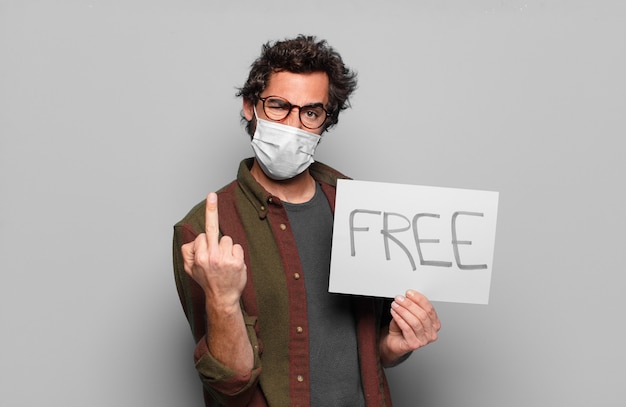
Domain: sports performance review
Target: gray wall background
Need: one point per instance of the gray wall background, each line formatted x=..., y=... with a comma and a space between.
x=117, y=116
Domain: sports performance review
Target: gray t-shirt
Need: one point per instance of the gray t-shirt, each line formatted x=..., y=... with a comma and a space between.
x=335, y=374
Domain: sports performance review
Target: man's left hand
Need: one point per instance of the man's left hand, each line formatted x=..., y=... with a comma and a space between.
x=414, y=324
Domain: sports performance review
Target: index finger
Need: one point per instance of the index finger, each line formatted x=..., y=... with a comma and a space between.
x=424, y=303
x=211, y=221
x=417, y=297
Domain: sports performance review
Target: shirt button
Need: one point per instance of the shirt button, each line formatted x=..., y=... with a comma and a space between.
x=283, y=226
x=299, y=330
x=300, y=378
x=296, y=276
x=262, y=208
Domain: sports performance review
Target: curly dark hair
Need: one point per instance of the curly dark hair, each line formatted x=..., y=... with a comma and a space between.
x=303, y=54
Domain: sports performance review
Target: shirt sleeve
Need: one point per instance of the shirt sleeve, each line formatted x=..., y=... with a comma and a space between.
x=222, y=382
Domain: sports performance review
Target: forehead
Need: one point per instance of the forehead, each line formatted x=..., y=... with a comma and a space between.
x=298, y=88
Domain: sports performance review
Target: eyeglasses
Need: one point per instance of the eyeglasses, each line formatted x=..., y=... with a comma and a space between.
x=311, y=116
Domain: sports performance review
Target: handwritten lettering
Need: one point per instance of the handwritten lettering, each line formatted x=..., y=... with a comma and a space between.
x=389, y=236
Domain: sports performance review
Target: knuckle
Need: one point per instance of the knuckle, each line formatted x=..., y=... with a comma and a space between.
x=415, y=343
x=214, y=262
x=420, y=314
x=202, y=258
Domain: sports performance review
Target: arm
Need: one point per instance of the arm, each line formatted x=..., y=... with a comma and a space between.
x=414, y=324
x=210, y=275
x=217, y=265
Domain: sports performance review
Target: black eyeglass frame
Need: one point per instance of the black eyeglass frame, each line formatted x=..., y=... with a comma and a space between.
x=291, y=106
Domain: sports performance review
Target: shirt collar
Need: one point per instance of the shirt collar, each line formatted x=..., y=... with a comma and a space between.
x=261, y=199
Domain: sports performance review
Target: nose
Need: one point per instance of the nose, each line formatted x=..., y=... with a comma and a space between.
x=293, y=118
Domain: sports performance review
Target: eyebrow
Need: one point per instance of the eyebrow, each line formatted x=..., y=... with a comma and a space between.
x=315, y=104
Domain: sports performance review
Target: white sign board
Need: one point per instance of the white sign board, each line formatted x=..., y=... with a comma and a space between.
x=388, y=238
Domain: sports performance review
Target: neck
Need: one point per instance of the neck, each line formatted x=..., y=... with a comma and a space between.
x=298, y=189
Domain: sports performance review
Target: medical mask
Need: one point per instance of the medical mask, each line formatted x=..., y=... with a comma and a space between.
x=283, y=151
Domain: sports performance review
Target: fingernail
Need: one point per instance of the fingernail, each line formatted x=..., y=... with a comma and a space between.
x=399, y=298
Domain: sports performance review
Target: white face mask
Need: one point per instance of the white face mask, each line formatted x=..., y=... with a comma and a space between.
x=283, y=151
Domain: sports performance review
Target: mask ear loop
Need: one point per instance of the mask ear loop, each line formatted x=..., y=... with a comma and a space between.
x=256, y=115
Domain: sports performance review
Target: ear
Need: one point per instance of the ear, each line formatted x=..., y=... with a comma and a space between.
x=248, y=110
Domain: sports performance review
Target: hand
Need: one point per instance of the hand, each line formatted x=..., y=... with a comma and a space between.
x=414, y=324
x=217, y=265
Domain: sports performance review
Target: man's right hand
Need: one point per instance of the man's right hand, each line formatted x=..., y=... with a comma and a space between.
x=217, y=265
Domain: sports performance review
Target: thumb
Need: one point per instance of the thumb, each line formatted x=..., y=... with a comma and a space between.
x=187, y=251
x=394, y=328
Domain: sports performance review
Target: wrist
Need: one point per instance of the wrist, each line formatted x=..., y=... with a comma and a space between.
x=222, y=308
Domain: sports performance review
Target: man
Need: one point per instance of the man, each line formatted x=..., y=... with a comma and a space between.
x=253, y=276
